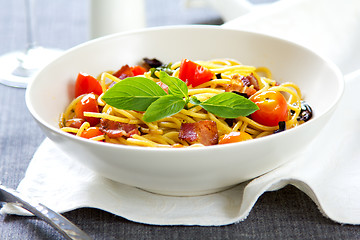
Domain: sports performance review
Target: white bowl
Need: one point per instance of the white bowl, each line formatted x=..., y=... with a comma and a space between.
x=190, y=171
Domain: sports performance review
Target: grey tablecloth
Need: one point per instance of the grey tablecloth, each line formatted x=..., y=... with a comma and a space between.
x=284, y=214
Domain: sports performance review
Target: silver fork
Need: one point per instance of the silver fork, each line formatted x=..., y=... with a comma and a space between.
x=57, y=221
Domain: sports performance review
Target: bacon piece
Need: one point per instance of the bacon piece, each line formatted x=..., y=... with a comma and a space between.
x=235, y=85
x=207, y=132
x=188, y=132
x=124, y=72
x=204, y=132
x=74, y=123
x=250, y=80
x=241, y=84
x=114, y=129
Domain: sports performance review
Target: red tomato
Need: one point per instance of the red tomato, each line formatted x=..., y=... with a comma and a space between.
x=233, y=137
x=124, y=72
x=138, y=70
x=272, y=108
x=88, y=103
x=193, y=73
x=91, y=132
x=87, y=84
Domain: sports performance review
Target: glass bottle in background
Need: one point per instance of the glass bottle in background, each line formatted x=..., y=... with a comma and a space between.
x=18, y=68
x=113, y=16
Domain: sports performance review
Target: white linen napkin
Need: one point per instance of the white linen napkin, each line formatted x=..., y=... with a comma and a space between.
x=329, y=27
x=328, y=171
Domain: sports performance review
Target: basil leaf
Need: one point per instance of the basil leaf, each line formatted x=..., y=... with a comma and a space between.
x=165, y=106
x=176, y=86
x=133, y=93
x=229, y=105
x=194, y=100
x=166, y=68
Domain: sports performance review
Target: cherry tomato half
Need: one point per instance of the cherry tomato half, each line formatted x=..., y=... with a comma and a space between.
x=124, y=72
x=272, y=108
x=138, y=70
x=87, y=84
x=233, y=137
x=88, y=103
x=91, y=132
x=193, y=73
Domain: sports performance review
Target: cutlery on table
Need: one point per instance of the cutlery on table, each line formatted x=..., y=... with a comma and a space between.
x=57, y=221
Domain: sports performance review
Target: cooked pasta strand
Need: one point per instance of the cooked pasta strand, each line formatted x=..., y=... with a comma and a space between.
x=228, y=75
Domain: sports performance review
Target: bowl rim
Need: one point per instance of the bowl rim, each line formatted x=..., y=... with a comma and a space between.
x=53, y=129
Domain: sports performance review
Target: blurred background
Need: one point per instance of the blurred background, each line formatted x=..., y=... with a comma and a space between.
x=75, y=28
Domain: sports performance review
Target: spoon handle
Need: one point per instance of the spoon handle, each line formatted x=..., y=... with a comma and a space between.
x=57, y=221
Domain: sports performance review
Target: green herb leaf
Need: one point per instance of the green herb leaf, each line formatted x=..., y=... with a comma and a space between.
x=194, y=100
x=229, y=105
x=133, y=93
x=176, y=86
x=143, y=94
x=166, y=68
x=165, y=106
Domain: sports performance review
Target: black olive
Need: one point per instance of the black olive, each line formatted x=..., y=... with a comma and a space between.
x=153, y=63
x=305, y=113
x=218, y=75
x=230, y=121
x=282, y=127
x=241, y=94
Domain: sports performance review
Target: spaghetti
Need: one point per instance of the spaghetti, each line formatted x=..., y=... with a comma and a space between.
x=127, y=127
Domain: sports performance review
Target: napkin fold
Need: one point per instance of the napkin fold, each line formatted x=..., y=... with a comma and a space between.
x=329, y=27
x=328, y=171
